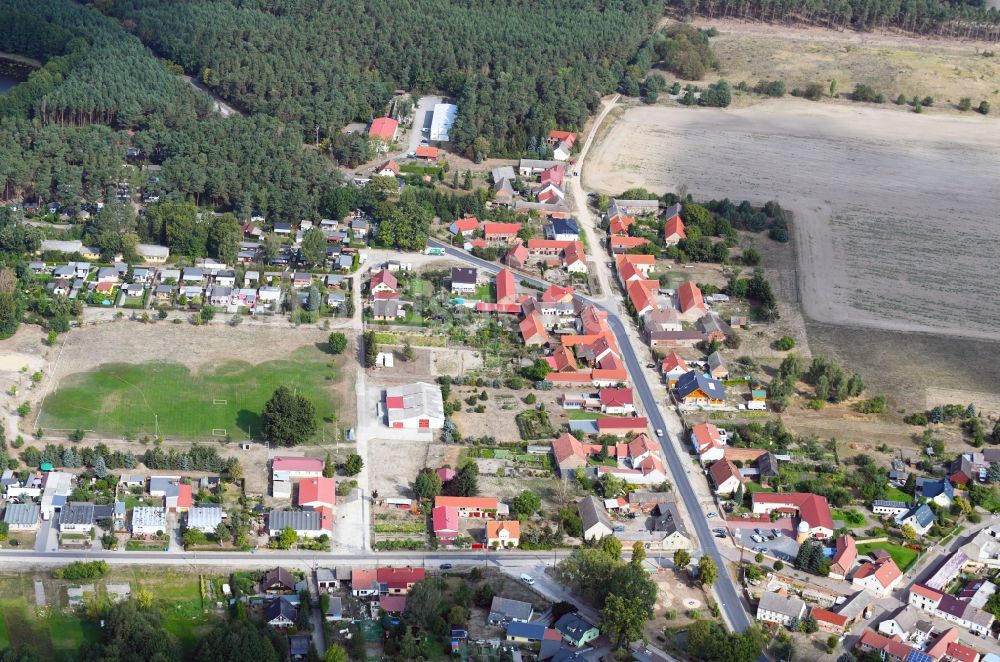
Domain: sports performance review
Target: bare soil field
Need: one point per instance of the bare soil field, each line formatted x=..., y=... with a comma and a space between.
x=893, y=64
x=883, y=239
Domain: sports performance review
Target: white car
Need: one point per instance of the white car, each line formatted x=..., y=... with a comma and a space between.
x=712, y=514
x=659, y=432
x=528, y=579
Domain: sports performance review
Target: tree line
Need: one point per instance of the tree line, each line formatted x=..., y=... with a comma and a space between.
x=969, y=19
x=516, y=70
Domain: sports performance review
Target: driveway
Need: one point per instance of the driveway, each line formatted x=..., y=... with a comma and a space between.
x=421, y=120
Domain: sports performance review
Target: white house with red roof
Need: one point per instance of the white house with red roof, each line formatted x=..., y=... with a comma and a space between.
x=297, y=467
x=812, y=509
x=500, y=233
x=707, y=442
x=616, y=401
x=464, y=226
x=878, y=577
x=725, y=476
x=383, y=129
x=843, y=558
x=445, y=523
x=689, y=300
x=673, y=367
x=317, y=492
x=506, y=287
x=673, y=228
x=383, y=281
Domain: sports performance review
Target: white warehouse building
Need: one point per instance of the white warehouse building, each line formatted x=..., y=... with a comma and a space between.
x=418, y=405
x=442, y=120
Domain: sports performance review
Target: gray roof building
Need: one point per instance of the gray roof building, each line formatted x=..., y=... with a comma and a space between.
x=785, y=607
x=594, y=516
x=298, y=520
x=335, y=610
x=77, y=512
x=149, y=518
x=667, y=520
x=21, y=515
x=505, y=610
x=204, y=518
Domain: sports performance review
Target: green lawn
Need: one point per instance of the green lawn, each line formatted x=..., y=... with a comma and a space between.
x=485, y=293
x=752, y=487
x=583, y=415
x=119, y=398
x=903, y=556
x=896, y=494
x=849, y=517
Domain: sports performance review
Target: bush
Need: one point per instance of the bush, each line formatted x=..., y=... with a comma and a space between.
x=784, y=343
x=984, y=107
x=916, y=418
x=874, y=405
x=718, y=95
x=771, y=88
x=866, y=93
x=813, y=91
x=337, y=342
x=82, y=570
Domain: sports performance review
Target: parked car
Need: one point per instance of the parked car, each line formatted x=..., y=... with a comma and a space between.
x=528, y=579
x=446, y=566
x=720, y=535
x=776, y=532
x=757, y=531
x=718, y=530
x=712, y=514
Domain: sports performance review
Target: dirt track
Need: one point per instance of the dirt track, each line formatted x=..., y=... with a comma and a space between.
x=891, y=209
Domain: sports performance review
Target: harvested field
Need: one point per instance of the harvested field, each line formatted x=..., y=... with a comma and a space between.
x=892, y=64
x=866, y=189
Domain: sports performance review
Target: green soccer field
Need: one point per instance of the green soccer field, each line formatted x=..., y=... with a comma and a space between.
x=211, y=402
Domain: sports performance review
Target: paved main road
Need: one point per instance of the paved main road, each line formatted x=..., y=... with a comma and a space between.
x=729, y=599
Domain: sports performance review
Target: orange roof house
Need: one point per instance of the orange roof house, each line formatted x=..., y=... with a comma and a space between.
x=503, y=533
x=517, y=256
x=574, y=257
x=532, y=330
x=689, y=297
x=830, y=622
x=184, y=497
x=673, y=366
x=500, y=232
x=621, y=244
x=562, y=360
x=464, y=226
x=725, y=476
x=844, y=557
x=642, y=263
x=388, y=169
x=642, y=296
x=619, y=224
x=673, y=230
x=428, y=153
x=469, y=506
x=316, y=492
x=556, y=137
x=383, y=128
x=557, y=293
x=506, y=287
